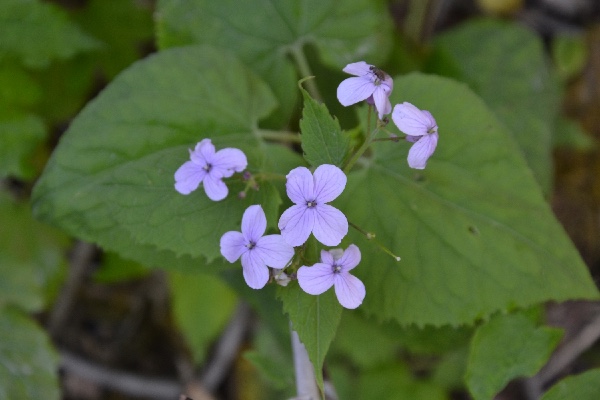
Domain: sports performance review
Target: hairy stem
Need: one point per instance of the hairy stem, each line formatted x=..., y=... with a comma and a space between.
x=304, y=69
x=361, y=149
x=279, y=136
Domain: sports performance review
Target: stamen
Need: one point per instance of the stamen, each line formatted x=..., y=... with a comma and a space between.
x=311, y=203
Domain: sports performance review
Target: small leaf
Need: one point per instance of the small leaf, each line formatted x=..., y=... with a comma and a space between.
x=20, y=136
x=507, y=347
x=202, y=305
x=585, y=386
x=323, y=141
x=29, y=367
x=37, y=33
x=315, y=319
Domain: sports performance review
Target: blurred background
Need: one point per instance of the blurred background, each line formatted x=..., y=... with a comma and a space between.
x=80, y=323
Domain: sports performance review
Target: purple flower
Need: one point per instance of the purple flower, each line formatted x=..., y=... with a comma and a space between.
x=370, y=83
x=209, y=167
x=333, y=270
x=257, y=251
x=421, y=129
x=310, y=213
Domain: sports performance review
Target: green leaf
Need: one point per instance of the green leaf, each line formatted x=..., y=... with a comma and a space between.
x=570, y=54
x=395, y=382
x=30, y=254
x=473, y=229
x=29, y=367
x=323, y=141
x=507, y=347
x=585, y=386
x=116, y=269
x=343, y=31
x=17, y=88
x=110, y=179
x=20, y=136
x=195, y=298
x=37, y=33
x=506, y=65
x=315, y=319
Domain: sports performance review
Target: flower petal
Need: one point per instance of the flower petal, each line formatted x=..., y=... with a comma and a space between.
x=330, y=182
x=274, y=251
x=254, y=223
x=231, y=160
x=300, y=185
x=330, y=225
x=256, y=273
x=316, y=279
x=353, y=90
x=203, y=153
x=188, y=177
x=233, y=245
x=420, y=152
x=411, y=120
x=349, y=290
x=351, y=258
x=214, y=187
x=381, y=100
x=358, y=68
x=327, y=256
x=296, y=223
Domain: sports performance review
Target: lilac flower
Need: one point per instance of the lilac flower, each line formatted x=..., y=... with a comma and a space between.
x=370, y=83
x=310, y=213
x=421, y=129
x=209, y=167
x=257, y=251
x=333, y=270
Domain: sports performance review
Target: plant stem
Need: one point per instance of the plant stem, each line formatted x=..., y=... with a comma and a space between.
x=306, y=382
x=304, y=69
x=279, y=136
x=361, y=150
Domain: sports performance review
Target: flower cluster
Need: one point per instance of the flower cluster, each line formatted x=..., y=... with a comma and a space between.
x=375, y=86
x=265, y=257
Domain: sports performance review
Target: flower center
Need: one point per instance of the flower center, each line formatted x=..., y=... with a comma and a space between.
x=311, y=204
x=207, y=167
x=251, y=245
x=336, y=268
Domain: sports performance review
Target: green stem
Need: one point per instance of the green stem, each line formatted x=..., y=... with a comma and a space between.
x=304, y=69
x=279, y=136
x=361, y=150
x=371, y=236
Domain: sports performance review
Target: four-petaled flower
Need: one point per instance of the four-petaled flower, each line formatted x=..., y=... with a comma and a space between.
x=333, y=270
x=370, y=83
x=258, y=252
x=209, y=167
x=310, y=213
x=420, y=128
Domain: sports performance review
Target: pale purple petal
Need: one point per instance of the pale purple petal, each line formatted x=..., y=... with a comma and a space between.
x=232, y=160
x=296, y=223
x=353, y=90
x=350, y=259
x=215, y=188
x=316, y=279
x=330, y=225
x=327, y=256
x=203, y=152
x=411, y=120
x=349, y=290
x=188, y=177
x=233, y=245
x=255, y=271
x=254, y=223
x=420, y=152
x=274, y=251
x=300, y=185
x=330, y=182
x=381, y=100
x=358, y=68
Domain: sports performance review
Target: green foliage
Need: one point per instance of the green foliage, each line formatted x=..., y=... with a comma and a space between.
x=507, y=67
x=115, y=164
x=585, y=386
x=342, y=31
x=467, y=250
x=117, y=269
x=20, y=137
x=323, y=141
x=38, y=33
x=28, y=362
x=31, y=254
x=504, y=348
x=570, y=54
x=202, y=305
x=315, y=319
